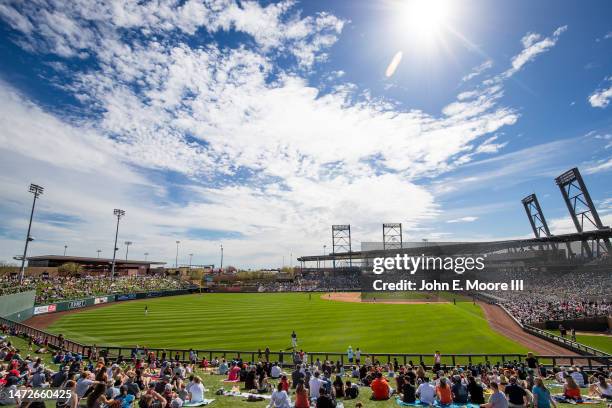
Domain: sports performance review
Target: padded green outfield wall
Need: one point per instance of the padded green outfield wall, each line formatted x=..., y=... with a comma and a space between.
x=17, y=306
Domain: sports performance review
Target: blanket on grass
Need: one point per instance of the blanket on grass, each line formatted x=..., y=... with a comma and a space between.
x=198, y=404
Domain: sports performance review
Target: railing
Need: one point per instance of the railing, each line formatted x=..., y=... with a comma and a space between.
x=579, y=347
x=589, y=362
x=50, y=339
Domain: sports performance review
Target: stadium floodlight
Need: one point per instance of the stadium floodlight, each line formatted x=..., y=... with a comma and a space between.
x=65, y=249
x=98, y=251
x=37, y=191
x=176, y=259
x=146, y=254
x=118, y=213
x=190, y=257
x=221, y=267
x=127, y=248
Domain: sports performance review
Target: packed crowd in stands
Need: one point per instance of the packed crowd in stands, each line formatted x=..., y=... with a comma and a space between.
x=558, y=296
x=9, y=286
x=146, y=379
x=49, y=290
x=315, y=282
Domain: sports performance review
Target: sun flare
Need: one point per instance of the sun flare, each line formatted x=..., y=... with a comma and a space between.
x=425, y=20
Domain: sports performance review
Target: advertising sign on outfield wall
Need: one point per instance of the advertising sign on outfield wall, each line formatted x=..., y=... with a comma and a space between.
x=41, y=309
x=45, y=309
x=103, y=299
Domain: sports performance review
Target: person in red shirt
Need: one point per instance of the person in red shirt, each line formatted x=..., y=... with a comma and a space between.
x=380, y=388
x=443, y=391
x=285, y=382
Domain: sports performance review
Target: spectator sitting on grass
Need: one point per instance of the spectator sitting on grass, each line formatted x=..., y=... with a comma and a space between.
x=276, y=371
x=408, y=393
x=381, y=390
x=443, y=392
x=426, y=392
x=571, y=390
x=250, y=382
x=601, y=388
x=541, y=395
x=475, y=390
x=279, y=398
x=325, y=400
x=351, y=391
x=497, y=399
x=459, y=391
x=223, y=367
x=315, y=384
x=517, y=396
x=301, y=396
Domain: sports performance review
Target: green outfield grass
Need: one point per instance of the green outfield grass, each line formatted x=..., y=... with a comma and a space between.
x=414, y=295
x=253, y=321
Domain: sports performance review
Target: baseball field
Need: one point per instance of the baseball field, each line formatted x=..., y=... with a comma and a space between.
x=258, y=320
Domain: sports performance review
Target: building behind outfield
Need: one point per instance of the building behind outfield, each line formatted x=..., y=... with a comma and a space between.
x=51, y=266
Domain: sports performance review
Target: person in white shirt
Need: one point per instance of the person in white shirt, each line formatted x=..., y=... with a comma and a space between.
x=196, y=390
x=279, y=398
x=426, y=392
x=315, y=384
x=275, y=371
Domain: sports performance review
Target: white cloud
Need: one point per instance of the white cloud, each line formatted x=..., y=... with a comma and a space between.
x=533, y=45
x=462, y=219
x=599, y=166
x=601, y=97
x=488, y=64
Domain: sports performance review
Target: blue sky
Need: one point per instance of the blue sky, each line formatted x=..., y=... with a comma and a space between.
x=258, y=125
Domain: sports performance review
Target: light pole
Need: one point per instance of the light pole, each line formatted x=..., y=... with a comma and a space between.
x=65, y=248
x=176, y=260
x=221, y=268
x=127, y=248
x=37, y=191
x=146, y=254
x=98, y=251
x=324, y=250
x=190, y=256
x=118, y=213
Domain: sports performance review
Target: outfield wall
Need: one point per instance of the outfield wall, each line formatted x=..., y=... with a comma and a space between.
x=17, y=306
x=98, y=300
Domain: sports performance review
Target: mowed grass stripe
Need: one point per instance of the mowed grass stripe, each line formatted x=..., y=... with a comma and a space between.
x=254, y=321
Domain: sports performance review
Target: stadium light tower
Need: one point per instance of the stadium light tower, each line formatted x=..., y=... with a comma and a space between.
x=65, y=249
x=176, y=260
x=98, y=251
x=37, y=191
x=118, y=213
x=221, y=267
x=146, y=254
x=190, y=257
x=127, y=248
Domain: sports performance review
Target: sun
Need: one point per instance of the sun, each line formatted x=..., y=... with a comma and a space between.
x=425, y=20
